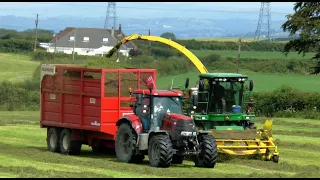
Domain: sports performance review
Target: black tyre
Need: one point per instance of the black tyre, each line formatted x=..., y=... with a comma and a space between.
x=126, y=140
x=176, y=159
x=209, y=152
x=53, y=137
x=160, y=151
x=250, y=126
x=67, y=146
x=275, y=158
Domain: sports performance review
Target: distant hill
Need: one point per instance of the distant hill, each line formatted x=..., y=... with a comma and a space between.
x=183, y=28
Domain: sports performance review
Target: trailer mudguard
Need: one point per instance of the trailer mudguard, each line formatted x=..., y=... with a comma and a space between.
x=133, y=120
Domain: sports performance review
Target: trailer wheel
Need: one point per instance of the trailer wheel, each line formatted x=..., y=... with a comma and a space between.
x=126, y=139
x=176, y=159
x=53, y=137
x=160, y=151
x=67, y=146
x=208, y=154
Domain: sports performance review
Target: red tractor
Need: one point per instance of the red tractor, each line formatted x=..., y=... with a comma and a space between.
x=160, y=130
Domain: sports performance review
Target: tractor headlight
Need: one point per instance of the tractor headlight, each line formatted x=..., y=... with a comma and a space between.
x=194, y=107
x=220, y=79
x=239, y=79
x=187, y=133
x=243, y=79
x=224, y=79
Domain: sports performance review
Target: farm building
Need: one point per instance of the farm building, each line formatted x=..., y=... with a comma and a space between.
x=88, y=41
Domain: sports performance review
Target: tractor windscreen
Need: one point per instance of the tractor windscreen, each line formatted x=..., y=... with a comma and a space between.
x=164, y=105
x=225, y=95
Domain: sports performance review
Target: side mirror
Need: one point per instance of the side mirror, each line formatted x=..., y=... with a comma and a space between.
x=195, y=100
x=201, y=85
x=251, y=85
x=139, y=99
x=187, y=83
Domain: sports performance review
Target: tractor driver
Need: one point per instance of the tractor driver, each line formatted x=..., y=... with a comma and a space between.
x=218, y=95
x=158, y=111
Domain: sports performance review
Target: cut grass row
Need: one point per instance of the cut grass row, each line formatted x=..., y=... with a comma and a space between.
x=23, y=153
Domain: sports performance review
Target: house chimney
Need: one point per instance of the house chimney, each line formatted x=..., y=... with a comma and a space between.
x=119, y=28
x=112, y=32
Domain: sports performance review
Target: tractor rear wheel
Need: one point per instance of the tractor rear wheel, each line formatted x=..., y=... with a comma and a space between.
x=176, y=159
x=209, y=153
x=68, y=146
x=160, y=151
x=126, y=139
x=53, y=137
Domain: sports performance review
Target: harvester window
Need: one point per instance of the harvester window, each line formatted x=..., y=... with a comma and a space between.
x=224, y=96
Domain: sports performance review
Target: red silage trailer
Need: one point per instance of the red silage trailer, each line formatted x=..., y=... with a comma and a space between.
x=82, y=105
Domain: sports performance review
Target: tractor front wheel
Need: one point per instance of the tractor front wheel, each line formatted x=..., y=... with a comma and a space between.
x=209, y=153
x=160, y=151
x=126, y=140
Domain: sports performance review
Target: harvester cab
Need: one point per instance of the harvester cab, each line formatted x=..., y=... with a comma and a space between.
x=223, y=97
x=159, y=129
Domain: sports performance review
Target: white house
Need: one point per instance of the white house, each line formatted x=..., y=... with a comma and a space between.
x=88, y=41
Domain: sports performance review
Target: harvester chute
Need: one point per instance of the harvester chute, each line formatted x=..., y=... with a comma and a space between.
x=232, y=126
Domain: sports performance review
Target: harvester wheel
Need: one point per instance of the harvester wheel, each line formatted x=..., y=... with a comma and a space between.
x=126, y=140
x=177, y=159
x=275, y=158
x=68, y=146
x=209, y=153
x=53, y=137
x=160, y=151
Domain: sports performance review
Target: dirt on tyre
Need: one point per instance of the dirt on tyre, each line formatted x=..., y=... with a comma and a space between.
x=209, y=152
x=53, y=137
x=160, y=151
x=126, y=140
x=68, y=146
x=176, y=159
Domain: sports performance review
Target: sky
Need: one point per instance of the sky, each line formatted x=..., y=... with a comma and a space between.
x=205, y=10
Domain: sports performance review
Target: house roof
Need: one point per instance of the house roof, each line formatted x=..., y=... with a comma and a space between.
x=120, y=35
x=95, y=35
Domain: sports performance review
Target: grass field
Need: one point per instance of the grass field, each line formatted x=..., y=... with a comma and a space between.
x=262, y=82
x=23, y=153
x=225, y=39
x=230, y=39
x=15, y=67
x=252, y=54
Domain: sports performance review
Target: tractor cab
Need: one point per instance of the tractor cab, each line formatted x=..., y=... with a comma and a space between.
x=154, y=107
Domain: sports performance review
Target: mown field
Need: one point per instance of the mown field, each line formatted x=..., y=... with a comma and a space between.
x=23, y=153
x=252, y=54
x=262, y=82
x=16, y=67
